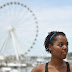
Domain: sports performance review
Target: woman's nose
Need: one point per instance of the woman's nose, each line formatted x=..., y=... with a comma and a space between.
x=65, y=47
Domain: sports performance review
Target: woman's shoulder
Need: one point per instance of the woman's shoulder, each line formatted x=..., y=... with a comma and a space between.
x=70, y=66
x=39, y=68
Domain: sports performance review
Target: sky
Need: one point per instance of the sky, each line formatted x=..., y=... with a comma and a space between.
x=52, y=15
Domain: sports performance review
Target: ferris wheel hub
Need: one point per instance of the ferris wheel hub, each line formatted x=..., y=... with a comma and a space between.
x=11, y=28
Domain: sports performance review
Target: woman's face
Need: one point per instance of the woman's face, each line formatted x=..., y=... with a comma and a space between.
x=59, y=48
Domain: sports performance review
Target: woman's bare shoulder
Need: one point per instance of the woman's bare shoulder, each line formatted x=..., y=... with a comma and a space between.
x=70, y=66
x=39, y=68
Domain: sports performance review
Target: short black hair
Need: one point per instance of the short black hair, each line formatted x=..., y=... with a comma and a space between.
x=51, y=37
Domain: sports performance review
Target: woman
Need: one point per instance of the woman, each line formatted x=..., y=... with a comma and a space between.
x=57, y=44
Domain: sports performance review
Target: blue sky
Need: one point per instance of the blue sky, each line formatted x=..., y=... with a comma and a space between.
x=51, y=15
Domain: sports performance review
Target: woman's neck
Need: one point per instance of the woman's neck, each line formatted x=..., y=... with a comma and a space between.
x=56, y=62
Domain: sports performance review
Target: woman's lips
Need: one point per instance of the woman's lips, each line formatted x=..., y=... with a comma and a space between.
x=64, y=53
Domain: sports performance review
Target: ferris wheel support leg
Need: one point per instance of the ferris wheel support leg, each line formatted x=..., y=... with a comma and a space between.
x=3, y=44
x=14, y=44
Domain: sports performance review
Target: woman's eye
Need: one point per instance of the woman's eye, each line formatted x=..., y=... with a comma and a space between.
x=67, y=45
x=60, y=45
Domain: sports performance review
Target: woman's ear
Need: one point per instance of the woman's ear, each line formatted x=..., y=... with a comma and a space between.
x=50, y=47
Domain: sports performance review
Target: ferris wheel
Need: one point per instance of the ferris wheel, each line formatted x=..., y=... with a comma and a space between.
x=18, y=28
